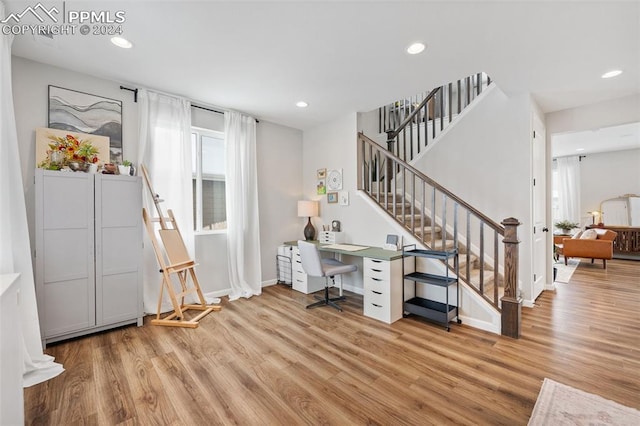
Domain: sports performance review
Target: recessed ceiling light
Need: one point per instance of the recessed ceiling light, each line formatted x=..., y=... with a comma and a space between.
x=415, y=48
x=612, y=73
x=121, y=42
x=302, y=104
x=579, y=149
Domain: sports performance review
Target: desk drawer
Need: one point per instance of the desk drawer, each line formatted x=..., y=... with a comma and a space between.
x=376, y=310
x=376, y=297
x=376, y=268
x=377, y=285
x=296, y=265
x=376, y=273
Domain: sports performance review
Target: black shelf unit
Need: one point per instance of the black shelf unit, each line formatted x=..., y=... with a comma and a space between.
x=432, y=310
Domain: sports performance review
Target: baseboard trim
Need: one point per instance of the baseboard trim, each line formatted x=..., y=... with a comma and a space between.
x=353, y=289
x=269, y=282
x=482, y=325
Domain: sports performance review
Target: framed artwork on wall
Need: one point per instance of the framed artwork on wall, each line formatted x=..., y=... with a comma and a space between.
x=332, y=197
x=334, y=180
x=81, y=112
x=343, y=196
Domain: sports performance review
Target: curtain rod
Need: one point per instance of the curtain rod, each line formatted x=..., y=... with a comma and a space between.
x=580, y=157
x=135, y=99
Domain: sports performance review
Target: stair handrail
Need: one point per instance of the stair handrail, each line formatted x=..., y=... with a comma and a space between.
x=392, y=134
x=493, y=224
x=428, y=112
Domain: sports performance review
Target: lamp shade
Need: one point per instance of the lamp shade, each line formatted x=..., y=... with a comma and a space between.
x=307, y=208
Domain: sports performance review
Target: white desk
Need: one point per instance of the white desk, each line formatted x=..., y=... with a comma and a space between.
x=381, y=278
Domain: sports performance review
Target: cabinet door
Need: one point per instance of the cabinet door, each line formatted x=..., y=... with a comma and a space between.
x=65, y=284
x=118, y=248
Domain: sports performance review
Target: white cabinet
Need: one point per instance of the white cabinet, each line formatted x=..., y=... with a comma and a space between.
x=330, y=237
x=300, y=280
x=383, y=283
x=88, y=252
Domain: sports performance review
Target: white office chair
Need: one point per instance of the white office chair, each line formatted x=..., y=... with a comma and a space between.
x=315, y=266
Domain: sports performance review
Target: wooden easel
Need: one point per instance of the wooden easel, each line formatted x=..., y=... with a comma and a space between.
x=174, y=259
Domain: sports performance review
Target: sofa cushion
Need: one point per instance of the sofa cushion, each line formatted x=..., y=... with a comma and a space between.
x=589, y=234
x=577, y=235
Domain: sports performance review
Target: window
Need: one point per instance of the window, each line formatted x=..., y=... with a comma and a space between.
x=208, y=167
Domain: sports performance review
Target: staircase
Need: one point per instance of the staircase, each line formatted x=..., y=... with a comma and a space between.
x=480, y=275
x=411, y=124
x=436, y=218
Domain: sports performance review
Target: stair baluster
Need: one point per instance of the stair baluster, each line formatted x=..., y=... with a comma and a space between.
x=489, y=266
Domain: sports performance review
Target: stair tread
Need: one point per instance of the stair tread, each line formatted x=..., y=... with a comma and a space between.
x=426, y=230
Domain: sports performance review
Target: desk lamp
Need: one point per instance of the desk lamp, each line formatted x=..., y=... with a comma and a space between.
x=308, y=209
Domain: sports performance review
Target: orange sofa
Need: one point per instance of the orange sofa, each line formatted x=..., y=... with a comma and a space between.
x=600, y=248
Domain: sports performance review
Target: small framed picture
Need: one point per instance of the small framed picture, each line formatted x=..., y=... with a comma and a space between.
x=321, y=174
x=332, y=197
x=344, y=198
x=321, y=188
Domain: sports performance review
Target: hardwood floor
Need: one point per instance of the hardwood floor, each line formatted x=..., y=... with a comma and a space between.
x=267, y=361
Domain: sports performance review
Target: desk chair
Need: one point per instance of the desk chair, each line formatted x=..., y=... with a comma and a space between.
x=315, y=266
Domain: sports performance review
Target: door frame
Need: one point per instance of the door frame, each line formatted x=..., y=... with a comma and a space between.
x=538, y=130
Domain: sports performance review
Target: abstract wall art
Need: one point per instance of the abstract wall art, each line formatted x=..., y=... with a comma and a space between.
x=75, y=111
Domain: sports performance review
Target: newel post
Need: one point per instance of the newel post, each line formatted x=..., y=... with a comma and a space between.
x=389, y=166
x=511, y=302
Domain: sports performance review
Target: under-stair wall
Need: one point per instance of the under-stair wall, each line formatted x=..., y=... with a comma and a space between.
x=485, y=159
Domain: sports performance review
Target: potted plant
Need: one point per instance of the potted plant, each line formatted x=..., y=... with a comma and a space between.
x=124, y=168
x=566, y=226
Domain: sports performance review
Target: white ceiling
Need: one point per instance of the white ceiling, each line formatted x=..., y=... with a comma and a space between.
x=342, y=57
x=615, y=138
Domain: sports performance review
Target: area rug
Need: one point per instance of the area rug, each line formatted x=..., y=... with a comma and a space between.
x=566, y=271
x=560, y=404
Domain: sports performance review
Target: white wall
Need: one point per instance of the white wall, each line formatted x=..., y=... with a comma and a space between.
x=485, y=159
x=333, y=146
x=608, y=175
x=604, y=114
x=279, y=167
x=279, y=171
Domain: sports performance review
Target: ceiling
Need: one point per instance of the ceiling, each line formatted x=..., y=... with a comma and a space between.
x=615, y=138
x=343, y=57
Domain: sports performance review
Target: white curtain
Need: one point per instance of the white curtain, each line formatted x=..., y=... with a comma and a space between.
x=243, y=227
x=15, y=249
x=165, y=150
x=569, y=188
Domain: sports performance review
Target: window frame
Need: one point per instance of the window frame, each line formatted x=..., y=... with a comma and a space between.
x=199, y=132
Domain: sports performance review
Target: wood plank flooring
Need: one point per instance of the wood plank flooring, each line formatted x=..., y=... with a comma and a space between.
x=268, y=361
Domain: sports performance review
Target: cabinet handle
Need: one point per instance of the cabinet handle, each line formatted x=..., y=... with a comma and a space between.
x=376, y=292
x=376, y=279
x=377, y=306
x=376, y=261
x=376, y=270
